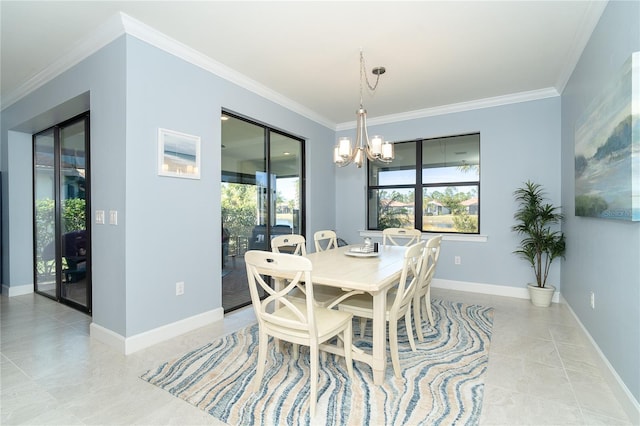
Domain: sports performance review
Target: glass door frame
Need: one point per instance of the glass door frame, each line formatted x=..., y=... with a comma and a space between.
x=58, y=212
x=270, y=202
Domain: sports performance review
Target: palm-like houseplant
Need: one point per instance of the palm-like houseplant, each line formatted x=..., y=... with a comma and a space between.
x=537, y=221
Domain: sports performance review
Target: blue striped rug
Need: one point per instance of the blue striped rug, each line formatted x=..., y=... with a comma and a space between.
x=441, y=384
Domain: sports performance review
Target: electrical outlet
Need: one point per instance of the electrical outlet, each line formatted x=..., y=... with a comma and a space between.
x=457, y=260
x=180, y=288
x=593, y=300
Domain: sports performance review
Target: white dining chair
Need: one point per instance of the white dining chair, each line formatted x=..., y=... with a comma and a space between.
x=325, y=240
x=431, y=254
x=398, y=302
x=400, y=236
x=290, y=243
x=396, y=237
x=295, y=244
x=298, y=323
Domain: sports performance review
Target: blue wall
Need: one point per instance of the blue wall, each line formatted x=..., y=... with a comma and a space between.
x=519, y=141
x=98, y=84
x=603, y=256
x=167, y=228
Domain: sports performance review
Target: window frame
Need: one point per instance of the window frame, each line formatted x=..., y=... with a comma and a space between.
x=419, y=186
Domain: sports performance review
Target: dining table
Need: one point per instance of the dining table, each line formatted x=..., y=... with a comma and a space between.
x=373, y=273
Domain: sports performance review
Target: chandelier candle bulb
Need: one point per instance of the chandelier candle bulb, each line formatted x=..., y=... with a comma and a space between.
x=376, y=145
x=358, y=158
x=374, y=149
x=387, y=151
x=344, y=147
x=336, y=154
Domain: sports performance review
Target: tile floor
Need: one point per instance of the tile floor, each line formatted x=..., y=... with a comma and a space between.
x=540, y=371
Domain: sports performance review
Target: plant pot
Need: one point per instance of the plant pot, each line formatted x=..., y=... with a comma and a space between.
x=541, y=296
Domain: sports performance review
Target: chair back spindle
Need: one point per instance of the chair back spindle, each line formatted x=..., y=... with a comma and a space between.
x=325, y=240
x=400, y=236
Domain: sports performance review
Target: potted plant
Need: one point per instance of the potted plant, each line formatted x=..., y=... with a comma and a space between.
x=536, y=222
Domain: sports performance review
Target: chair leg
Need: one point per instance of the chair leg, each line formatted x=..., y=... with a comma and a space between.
x=407, y=322
x=427, y=304
x=417, y=317
x=363, y=326
x=393, y=344
x=313, y=379
x=339, y=344
x=348, y=333
x=263, y=341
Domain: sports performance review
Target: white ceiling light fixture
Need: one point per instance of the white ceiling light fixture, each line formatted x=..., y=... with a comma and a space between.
x=376, y=149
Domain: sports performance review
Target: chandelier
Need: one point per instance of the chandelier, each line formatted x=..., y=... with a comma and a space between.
x=376, y=148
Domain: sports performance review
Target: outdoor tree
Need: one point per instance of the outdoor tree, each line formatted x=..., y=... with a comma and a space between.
x=464, y=222
x=238, y=205
x=390, y=216
x=73, y=218
x=453, y=201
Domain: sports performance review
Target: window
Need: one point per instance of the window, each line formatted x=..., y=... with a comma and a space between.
x=445, y=171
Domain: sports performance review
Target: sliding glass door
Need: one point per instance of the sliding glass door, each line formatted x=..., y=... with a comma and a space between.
x=61, y=232
x=44, y=185
x=262, y=193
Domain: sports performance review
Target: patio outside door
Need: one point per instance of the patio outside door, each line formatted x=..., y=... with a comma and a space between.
x=62, y=246
x=262, y=195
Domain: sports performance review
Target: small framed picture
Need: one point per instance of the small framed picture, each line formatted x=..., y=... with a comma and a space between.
x=178, y=154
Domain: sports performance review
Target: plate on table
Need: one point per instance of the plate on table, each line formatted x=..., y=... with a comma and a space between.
x=361, y=254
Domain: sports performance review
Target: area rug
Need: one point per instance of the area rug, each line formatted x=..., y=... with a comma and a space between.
x=441, y=383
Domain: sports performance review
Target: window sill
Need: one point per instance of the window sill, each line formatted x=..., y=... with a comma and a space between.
x=426, y=235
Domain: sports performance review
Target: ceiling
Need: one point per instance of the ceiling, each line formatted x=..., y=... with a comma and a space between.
x=437, y=54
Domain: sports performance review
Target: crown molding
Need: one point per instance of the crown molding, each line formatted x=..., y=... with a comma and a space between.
x=513, y=98
x=104, y=34
x=157, y=39
x=589, y=21
x=122, y=23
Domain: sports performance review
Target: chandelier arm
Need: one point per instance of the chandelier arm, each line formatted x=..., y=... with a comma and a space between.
x=380, y=150
x=343, y=163
x=346, y=161
x=363, y=133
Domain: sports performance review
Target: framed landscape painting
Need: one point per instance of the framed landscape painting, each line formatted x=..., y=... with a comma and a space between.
x=178, y=154
x=607, y=150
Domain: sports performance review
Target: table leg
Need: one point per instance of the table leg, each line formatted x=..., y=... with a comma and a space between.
x=278, y=285
x=379, y=361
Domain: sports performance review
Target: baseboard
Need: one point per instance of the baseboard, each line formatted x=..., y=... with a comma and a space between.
x=108, y=337
x=16, y=290
x=129, y=345
x=630, y=405
x=622, y=393
x=492, y=289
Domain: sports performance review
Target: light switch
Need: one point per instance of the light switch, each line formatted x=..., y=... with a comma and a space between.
x=113, y=217
x=100, y=217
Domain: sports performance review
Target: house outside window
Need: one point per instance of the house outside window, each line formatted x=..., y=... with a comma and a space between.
x=444, y=171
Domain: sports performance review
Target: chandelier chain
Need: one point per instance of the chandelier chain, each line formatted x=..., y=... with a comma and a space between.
x=363, y=72
x=374, y=149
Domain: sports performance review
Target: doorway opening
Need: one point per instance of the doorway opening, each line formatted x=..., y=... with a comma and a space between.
x=61, y=198
x=262, y=195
